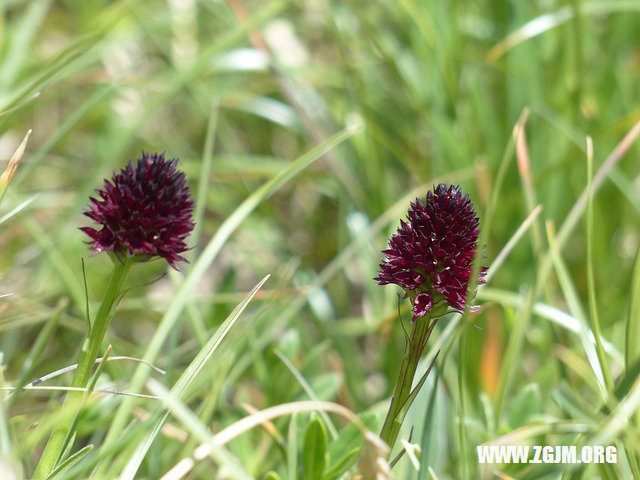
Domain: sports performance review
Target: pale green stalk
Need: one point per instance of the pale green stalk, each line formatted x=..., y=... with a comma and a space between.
x=56, y=444
x=420, y=332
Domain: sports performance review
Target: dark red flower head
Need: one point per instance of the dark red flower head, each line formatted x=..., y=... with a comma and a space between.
x=145, y=211
x=431, y=256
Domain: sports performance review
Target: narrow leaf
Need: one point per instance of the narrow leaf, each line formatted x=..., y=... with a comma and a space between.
x=632, y=343
x=573, y=301
x=10, y=170
x=335, y=470
x=69, y=462
x=186, y=378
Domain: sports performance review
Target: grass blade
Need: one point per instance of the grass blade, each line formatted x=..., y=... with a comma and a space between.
x=308, y=389
x=58, y=262
x=593, y=307
x=508, y=247
x=292, y=448
x=632, y=338
x=22, y=45
x=69, y=462
x=186, y=378
x=205, y=172
x=190, y=421
x=10, y=170
x=94, y=32
x=548, y=21
x=17, y=209
x=553, y=314
x=571, y=296
x=257, y=419
x=33, y=358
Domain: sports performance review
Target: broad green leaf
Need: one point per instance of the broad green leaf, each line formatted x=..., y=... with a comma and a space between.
x=314, y=450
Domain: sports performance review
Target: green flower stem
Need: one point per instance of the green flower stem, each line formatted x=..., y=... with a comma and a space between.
x=420, y=332
x=73, y=402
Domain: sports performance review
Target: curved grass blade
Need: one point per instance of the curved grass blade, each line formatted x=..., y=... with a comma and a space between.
x=183, y=467
x=69, y=462
x=186, y=378
x=17, y=209
x=10, y=170
x=192, y=424
x=573, y=301
x=308, y=389
x=548, y=312
x=18, y=50
x=94, y=32
x=548, y=21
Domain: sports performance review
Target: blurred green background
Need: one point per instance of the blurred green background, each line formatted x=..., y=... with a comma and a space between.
x=437, y=88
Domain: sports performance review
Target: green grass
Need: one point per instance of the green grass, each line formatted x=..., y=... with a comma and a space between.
x=302, y=168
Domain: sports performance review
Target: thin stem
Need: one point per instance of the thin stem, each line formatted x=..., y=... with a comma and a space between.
x=72, y=403
x=462, y=354
x=593, y=307
x=418, y=340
